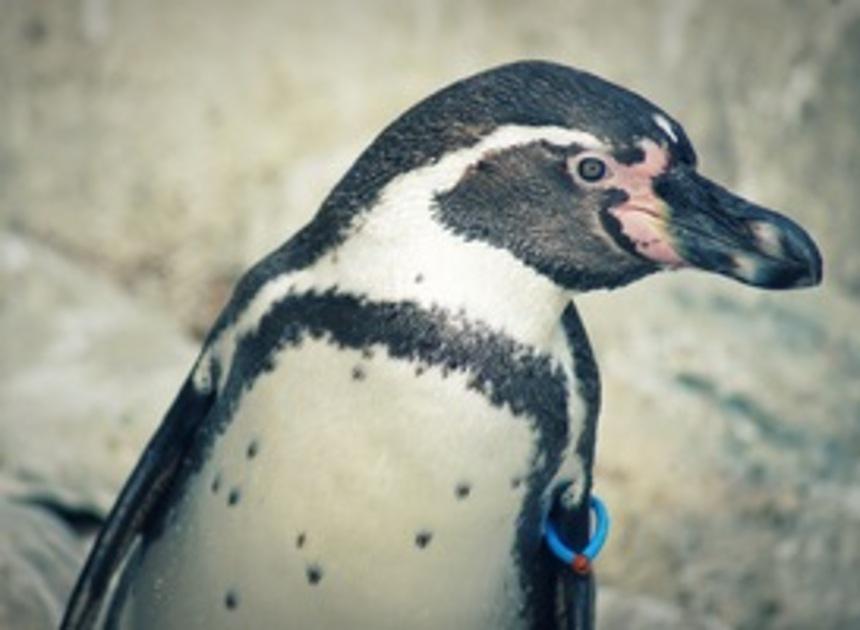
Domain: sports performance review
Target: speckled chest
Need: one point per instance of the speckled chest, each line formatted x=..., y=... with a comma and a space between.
x=354, y=487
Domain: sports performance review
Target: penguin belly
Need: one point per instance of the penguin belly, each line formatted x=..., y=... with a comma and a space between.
x=349, y=490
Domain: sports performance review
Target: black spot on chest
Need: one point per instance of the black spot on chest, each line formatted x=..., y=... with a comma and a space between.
x=463, y=490
x=423, y=538
x=234, y=496
x=231, y=600
x=314, y=574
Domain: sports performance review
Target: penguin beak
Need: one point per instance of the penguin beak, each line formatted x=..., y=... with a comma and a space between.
x=713, y=229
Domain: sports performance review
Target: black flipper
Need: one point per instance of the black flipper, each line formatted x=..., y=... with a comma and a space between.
x=151, y=478
x=579, y=591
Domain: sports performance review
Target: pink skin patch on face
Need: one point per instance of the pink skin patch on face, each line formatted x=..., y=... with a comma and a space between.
x=643, y=217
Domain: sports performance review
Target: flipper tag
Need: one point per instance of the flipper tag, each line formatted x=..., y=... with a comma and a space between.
x=581, y=561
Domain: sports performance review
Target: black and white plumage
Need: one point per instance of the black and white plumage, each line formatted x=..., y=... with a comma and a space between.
x=371, y=434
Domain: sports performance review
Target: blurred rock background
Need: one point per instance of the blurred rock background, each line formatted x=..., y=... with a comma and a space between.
x=150, y=151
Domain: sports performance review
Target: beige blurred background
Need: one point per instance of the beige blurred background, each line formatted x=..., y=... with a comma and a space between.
x=150, y=151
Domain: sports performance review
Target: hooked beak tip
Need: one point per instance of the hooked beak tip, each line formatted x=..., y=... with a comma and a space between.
x=791, y=258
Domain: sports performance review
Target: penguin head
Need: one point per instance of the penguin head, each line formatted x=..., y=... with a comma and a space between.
x=587, y=183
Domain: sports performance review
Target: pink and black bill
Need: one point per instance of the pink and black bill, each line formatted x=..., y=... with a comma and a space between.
x=674, y=217
x=713, y=229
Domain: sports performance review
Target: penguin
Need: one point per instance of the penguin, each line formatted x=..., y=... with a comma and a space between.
x=384, y=412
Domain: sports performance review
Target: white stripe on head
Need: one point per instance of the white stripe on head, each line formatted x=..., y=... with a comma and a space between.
x=396, y=251
x=666, y=126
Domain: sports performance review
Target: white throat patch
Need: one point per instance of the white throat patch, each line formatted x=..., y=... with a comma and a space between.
x=396, y=251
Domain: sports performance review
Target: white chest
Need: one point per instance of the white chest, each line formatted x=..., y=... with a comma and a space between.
x=349, y=492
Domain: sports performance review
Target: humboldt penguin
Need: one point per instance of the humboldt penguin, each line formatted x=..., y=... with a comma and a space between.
x=380, y=418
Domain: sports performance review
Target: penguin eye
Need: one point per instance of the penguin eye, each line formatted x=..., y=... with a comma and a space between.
x=591, y=169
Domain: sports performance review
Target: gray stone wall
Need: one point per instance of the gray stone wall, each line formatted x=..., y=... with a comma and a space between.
x=150, y=151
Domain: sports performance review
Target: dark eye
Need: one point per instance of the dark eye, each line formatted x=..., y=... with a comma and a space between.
x=591, y=169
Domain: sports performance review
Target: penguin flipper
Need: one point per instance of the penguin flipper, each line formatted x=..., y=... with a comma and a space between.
x=151, y=478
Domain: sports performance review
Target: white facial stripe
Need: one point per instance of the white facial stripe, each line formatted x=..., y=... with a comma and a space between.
x=396, y=251
x=445, y=174
x=666, y=126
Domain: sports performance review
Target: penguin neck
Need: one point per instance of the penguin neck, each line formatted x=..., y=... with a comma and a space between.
x=377, y=236
x=400, y=253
